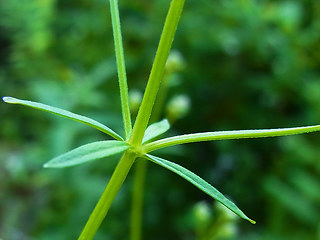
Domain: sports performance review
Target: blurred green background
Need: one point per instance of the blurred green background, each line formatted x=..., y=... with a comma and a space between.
x=243, y=64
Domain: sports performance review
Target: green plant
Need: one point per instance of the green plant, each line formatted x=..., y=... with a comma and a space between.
x=138, y=140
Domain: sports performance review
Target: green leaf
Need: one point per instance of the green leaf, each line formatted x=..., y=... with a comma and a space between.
x=86, y=153
x=156, y=129
x=116, y=28
x=223, y=135
x=199, y=183
x=65, y=113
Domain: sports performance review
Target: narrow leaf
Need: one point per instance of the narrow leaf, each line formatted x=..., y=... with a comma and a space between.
x=116, y=28
x=86, y=153
x=156, y=129
x=222, y=135
x=199, y=183
x=65, y=113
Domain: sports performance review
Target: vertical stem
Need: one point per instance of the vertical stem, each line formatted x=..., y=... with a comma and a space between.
x=145, y=111
x=142, y=164
x=156, y=71
x=121, y=67
x=137, y=200
x=135, y=139
x=109, y=194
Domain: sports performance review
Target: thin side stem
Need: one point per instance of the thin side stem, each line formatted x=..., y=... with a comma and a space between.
x=137, y=199
x=109, y=194
x=156, y=72
x=121, y=67
x=237, y=134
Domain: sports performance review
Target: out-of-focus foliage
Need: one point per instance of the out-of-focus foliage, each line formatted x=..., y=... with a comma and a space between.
x=247, y=64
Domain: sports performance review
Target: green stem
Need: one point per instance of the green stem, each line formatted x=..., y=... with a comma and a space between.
x=145, y=110
x=156, y=72
x=121, y=67
x=137, y=199
x=237, y=134
x=109, y=194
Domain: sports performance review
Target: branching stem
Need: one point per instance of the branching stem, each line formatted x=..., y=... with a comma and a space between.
x=144, y=113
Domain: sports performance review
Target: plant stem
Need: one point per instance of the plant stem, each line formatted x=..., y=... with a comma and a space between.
x=142, y=166
x=145, y=111
x=137, y=199
x=141, y=169
x=222, y=135
x=156, y=72
x=121, y=67
x=109, y=194
x=135, y=140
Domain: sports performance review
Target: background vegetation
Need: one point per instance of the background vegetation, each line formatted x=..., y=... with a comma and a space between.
x=244, y=64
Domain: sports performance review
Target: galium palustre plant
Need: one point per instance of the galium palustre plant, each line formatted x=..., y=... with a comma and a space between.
x=138, y=141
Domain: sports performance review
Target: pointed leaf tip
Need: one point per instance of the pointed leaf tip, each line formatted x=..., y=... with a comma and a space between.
x=46, y=165
x=199, y=183
x=252, y=221
x=8, y=99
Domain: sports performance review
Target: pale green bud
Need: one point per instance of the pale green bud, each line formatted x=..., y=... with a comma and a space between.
x=202, y=212
x=175, y=62
x=135, y=99
x=178, y=107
